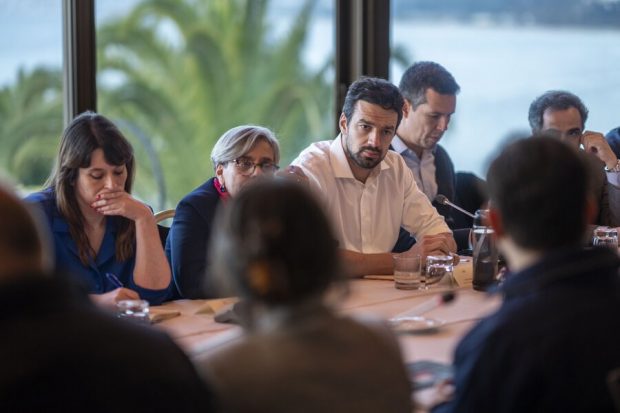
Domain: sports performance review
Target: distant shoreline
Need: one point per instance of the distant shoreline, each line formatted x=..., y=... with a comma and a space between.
x=485, y=20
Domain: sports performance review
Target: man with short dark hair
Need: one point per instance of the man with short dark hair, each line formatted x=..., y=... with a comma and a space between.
x=564, y=115
x=60, y=353
x=429, y=92
x=555, y=338
x=368, y=191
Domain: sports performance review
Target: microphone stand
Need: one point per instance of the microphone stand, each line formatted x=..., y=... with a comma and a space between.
x=442, y=199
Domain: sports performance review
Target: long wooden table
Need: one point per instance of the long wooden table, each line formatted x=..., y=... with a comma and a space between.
x=196, y=331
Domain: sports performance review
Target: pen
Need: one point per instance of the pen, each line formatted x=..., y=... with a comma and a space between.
x=114, y=280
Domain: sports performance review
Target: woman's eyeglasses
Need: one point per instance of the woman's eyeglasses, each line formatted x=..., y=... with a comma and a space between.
x=247, y=167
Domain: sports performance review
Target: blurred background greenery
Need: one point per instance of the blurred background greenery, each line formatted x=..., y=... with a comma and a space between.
x=174, y=75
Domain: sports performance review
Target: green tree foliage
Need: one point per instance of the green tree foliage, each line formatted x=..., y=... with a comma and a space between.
x=30, y=124
x=176, y=74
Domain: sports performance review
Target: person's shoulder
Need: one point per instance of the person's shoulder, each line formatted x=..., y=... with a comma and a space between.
x=442, y=154
x=112, y=333
x=396, y=166
x=44, y=196
x=163, y=366
x=496, y=329
x=204, y=195
x=45, y=199
x=316, y=152
x=315, y=160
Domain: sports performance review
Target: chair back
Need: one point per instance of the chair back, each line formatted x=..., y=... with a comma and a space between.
x=163, y=215
x=162, y=229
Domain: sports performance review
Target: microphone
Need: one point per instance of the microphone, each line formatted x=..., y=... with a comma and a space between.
x=442, y=199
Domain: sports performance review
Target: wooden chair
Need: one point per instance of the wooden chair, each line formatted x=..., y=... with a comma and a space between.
x=163, y=230
x=163, y=215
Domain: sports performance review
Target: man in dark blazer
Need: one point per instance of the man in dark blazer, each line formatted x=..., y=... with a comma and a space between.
x=430, y=100
x=430, y=93
x=60, y=353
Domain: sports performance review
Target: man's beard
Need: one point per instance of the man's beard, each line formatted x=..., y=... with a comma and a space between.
x=359, y=159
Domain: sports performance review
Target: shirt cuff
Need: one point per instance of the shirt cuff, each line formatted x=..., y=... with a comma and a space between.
x=613, y=178
x=154, y=297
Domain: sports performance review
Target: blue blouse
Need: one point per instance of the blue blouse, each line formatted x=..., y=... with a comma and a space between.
x=92, y=276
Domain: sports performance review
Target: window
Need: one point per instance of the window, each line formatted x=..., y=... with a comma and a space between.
x=175, y=75
x=30, y=89
x=505, y=56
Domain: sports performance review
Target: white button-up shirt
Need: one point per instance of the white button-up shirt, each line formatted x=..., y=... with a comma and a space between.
x=366, y=217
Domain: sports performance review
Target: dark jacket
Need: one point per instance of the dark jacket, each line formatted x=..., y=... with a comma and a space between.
x=61, y=354
x=188, y=241
x=550, y=345
x=446, y=185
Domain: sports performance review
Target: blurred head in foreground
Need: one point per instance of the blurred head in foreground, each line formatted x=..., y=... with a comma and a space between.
x=23, y=249
x=274, y=245
x=539, y=194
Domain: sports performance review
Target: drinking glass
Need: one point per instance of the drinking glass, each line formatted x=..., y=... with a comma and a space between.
x=606, y=236
x=134, y=310
x=437, y=267
x=407, y=272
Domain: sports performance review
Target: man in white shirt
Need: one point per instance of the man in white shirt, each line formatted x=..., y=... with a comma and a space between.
x=368, y=191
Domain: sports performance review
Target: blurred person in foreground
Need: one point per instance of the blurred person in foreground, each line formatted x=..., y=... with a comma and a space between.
x=367, y=190
x=60, y=353
x=563, y=114
x=555, y=338
x=239, y=156
x=276, y=251
x=103, y=237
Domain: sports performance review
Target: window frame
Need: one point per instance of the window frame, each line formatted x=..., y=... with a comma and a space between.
x=362, y=49
x=79, y=57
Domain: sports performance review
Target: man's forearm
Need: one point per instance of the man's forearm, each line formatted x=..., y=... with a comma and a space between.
x=358, y=264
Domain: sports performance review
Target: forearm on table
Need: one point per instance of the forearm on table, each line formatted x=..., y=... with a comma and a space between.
x=358, y=264
x=151, y=270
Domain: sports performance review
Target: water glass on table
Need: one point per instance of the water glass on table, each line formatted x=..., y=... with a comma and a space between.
x=438, y=267
x=407, y=272
x=134, y=310
x=606, y=237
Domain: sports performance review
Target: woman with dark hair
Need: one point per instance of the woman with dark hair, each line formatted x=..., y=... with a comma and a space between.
x=239, y=156
x=273, y=247
x=102, y=235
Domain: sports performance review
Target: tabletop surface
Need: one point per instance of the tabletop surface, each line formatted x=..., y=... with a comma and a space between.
x=196, y=331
